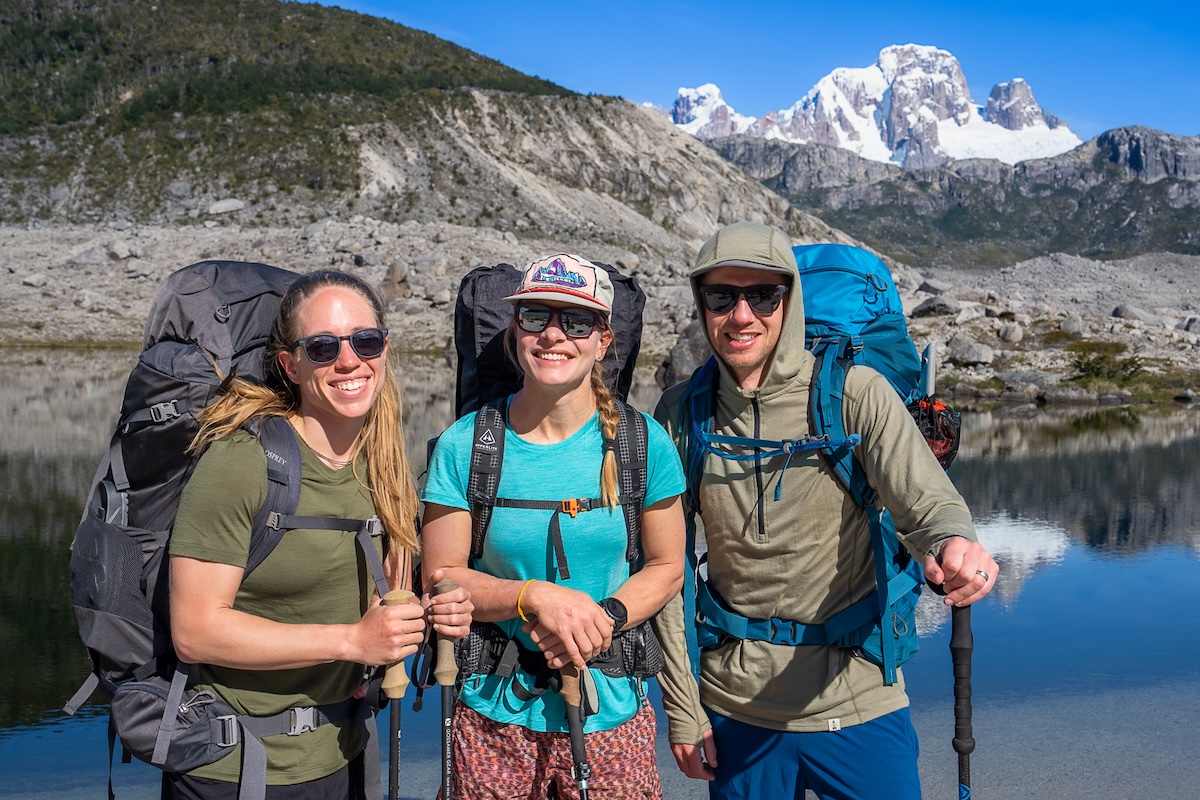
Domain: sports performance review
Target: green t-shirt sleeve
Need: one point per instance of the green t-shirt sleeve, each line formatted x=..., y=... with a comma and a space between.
x=219, y=502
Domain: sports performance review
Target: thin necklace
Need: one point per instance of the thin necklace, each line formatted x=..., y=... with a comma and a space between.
x=331, y=461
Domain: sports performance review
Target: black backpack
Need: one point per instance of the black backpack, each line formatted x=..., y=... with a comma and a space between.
x=485, y=377
x=481, y=317
x=208, y=323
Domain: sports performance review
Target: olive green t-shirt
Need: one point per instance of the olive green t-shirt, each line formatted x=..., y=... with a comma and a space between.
x=312, y=576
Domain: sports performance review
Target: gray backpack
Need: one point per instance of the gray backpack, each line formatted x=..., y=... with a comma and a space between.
x=208, y=322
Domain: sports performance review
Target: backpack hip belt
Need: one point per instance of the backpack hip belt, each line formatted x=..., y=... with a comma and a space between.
x=850, y=627
x=635, y=652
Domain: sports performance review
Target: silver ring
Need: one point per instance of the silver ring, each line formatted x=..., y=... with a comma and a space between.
x=983, y=574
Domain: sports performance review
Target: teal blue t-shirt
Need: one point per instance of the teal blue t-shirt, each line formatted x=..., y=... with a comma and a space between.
x=518, y=547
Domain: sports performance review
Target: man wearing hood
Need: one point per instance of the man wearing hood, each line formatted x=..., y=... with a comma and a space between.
x=772, y=720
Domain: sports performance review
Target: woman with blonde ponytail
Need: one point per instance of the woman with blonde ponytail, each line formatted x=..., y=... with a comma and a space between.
x=560, y=429
x=298, y=630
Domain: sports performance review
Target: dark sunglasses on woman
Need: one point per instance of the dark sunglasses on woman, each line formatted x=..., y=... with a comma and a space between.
x=576, y=323
x=324, y=348
x=763, y=298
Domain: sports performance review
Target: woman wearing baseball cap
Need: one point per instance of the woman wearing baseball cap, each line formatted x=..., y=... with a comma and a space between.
x=555, y=586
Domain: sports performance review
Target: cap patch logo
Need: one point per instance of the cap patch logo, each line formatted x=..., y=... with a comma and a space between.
x=556, y=272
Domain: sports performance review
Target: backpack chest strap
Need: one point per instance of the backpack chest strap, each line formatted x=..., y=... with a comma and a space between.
x=572, y=506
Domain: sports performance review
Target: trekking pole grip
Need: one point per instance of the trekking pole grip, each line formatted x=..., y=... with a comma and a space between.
x=570, y=685
x=572, y=693
x=445, y=670
x=395, y=680
x=962, y=643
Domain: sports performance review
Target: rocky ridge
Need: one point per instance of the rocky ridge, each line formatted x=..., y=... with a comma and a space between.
x=1127, y=191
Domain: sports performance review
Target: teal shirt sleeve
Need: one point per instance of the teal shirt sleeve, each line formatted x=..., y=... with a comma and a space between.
x=450, y=466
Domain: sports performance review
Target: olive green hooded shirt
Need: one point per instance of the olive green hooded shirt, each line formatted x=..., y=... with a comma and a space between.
x=805, y=556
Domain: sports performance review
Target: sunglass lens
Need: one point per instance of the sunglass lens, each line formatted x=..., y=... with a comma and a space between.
x=719, y=299
x=322, y=348
x=533, y=320
x=369, y=342
x=763, y=299
x=577, y=324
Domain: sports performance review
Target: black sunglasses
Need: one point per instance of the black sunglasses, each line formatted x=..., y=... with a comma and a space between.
x=763, y=298
x=577, y=323
x=324, y=348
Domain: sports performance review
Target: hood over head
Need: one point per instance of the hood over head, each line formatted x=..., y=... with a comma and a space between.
x=757, y=246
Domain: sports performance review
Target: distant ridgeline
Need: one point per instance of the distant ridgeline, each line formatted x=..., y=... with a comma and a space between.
x=1126, y=192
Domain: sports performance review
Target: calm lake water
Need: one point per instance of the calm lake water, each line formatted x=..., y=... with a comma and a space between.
x=1087, y=655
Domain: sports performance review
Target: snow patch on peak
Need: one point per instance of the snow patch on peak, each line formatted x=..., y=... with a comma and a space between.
x=912, y=107
x=704, y=113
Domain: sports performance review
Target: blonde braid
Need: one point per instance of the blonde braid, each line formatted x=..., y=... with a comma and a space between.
x=609, y=417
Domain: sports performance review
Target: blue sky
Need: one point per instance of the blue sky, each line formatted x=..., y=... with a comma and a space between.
x=1097, y=65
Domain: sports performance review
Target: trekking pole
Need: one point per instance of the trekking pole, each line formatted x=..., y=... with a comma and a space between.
x=395, y=684
x=962, y=644
x=445, y=671
x=929, y=366
x=581, y=770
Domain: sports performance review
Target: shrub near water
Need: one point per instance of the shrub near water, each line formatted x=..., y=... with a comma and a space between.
x=1104, y=361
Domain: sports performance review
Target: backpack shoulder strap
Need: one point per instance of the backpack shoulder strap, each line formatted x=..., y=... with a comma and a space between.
x=278, y=513
x=834, y=356
x=696, y=416
x=487, y=456
x=631, y=450
x=284, y=479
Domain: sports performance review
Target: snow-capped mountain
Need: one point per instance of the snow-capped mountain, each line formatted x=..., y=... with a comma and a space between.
x=911, y=107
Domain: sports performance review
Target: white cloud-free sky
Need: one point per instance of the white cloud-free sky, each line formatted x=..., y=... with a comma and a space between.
x=1097, y=64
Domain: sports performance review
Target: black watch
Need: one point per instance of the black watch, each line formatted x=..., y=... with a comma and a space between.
x=615, y=609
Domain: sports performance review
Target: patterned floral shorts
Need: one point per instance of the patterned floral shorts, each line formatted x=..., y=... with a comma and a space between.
x=495, y=761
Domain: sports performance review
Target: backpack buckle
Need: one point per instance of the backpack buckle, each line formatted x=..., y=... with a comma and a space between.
x=575, y=505
x=373, y=526
x=230, y=731
x=273, y=520
x=161, y=412
x=303, y=719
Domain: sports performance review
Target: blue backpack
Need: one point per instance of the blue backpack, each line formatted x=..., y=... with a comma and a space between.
x=853, y=315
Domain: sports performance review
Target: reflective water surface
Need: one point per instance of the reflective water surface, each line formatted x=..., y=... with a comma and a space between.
x=1086, y=678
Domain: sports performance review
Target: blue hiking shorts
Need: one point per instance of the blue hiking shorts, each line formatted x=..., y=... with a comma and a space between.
x=873, y=761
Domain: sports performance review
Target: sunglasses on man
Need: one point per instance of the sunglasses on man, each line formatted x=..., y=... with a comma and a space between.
x=576, y=323
x=324, y=348
x=763, y=298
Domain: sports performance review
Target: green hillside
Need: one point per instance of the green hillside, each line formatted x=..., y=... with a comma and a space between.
x=123, y=61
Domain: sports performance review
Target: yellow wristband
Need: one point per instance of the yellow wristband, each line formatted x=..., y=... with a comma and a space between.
x=521, y=613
